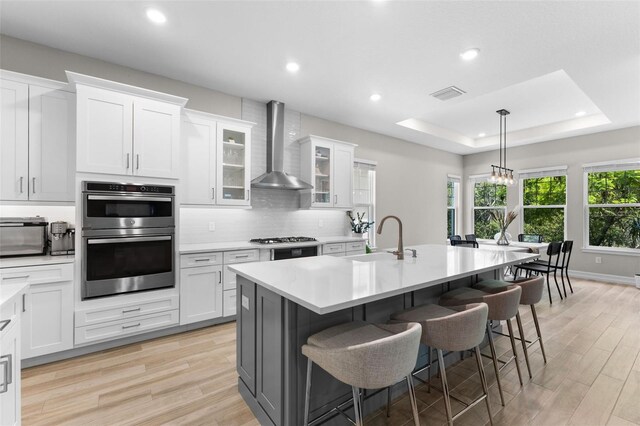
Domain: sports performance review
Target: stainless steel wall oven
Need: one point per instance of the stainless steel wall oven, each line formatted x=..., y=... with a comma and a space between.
x=128, y=238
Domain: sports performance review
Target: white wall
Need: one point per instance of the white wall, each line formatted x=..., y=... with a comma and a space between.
x=572, y=152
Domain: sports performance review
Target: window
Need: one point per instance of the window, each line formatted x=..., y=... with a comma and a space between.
x=453, y=197
x=612, y=205
x=364, y=194
x=487, y=196
x=544, y=200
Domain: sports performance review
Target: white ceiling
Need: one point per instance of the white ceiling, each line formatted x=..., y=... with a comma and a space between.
x=543, y=61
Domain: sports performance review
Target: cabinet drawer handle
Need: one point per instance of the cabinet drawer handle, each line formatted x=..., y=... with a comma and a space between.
x=16, y=277
x=137, y=161
x=335, y=197
x=127, y=160
x=21, y=184
x=213, y=193
x=33, y=185
x=220, y=279
x=130, y=310
x=202, y=260
x=4, y=324
x=241, y=256
x=124, y=327
x=7, y=366
x=24, y=302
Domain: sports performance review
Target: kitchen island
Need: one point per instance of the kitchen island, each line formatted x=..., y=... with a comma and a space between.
x=280, y=304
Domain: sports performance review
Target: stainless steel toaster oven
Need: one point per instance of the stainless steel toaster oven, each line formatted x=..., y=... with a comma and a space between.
x=23, y=236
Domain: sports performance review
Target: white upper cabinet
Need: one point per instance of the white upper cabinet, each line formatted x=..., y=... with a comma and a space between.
x=216, y=160
x=126, y=130
x=14, y=142
x=328, y=165
x=37, y=149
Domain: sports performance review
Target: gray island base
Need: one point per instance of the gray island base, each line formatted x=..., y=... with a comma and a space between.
x=280, y=304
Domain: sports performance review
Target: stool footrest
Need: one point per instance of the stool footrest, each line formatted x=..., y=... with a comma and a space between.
x=467, y=405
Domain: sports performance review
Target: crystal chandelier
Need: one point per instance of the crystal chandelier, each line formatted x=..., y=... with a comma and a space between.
x=500, y=173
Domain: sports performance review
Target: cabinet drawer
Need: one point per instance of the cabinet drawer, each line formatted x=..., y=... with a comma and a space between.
x=120, y=312
x=356, y=246
x=200, y=259
x=229, y=303
x=37, y=274
x=127, y=327
x=333, y=248
x=241, y=256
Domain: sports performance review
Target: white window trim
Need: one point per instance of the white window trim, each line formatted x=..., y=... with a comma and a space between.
x=372, y=165
x=457, y=189
x=537, y=173
x=606, y=166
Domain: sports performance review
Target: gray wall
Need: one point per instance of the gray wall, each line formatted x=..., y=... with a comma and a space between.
x=410, y=177
x=573, y=152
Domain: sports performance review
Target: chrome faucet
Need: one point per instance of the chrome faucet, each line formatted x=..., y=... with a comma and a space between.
x=400, y=252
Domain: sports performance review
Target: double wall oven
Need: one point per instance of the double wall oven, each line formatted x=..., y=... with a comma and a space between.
x=128, y=238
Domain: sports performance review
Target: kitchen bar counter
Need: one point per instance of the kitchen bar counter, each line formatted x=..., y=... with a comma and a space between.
x=280, y=304
x=14, y=262
x=327, y=284
x=244, y=245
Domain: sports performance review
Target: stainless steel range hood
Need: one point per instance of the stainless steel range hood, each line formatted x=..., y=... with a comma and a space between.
x=275, y=177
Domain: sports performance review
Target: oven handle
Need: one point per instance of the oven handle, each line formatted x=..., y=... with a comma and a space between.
x=127, y=239
x=127, y=198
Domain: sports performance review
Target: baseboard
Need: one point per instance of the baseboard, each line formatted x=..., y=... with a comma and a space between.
x=607, y=278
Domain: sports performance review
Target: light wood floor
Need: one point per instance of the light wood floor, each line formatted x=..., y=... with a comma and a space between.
x=592, y=376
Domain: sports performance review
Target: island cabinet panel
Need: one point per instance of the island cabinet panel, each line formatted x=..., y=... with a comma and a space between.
x=269, y=353
x=246, y=333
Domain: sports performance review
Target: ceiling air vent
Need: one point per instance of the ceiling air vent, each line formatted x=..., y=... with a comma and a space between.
x=448, y=93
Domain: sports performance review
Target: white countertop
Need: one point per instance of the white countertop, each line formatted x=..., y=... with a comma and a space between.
x=495, y=247
x=14, y=262
x=245, y=245
x=539, y=247
x=327, y=284
x=9, y=291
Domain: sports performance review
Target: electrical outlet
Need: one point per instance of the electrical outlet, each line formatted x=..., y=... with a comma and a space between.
x=598, y=259
x=320, y=223
x=212, y=226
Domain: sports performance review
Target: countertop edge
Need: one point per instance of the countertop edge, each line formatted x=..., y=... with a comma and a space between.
x=189, y=248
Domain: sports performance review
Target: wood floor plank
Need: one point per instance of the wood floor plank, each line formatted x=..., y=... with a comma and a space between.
x=598, y=403
x=628, y=405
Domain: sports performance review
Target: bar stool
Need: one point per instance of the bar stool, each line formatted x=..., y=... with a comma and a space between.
x=502, y=306
x=532, y=289
x=365, y=356
x=458, y=329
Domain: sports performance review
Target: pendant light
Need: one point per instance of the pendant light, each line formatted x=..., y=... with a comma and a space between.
x=501, y=174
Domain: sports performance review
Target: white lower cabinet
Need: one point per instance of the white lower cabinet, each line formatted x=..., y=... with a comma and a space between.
x=229, y=305
x=351, y=248
x=10, y=364
x=201, y=293
x=47, y=307
x=117, y=329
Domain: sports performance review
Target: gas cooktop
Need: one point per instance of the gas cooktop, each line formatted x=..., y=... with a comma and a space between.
x=279, y=240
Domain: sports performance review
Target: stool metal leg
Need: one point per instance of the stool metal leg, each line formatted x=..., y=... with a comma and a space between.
x=535, y=321
x=307, y=392
x=429, y=349
x=513, y=348
x=412, y=397
x=445, y=389
x=357, y=405
x=483, y=380
x=389, y=401
x=524, y=343
x=494, y=356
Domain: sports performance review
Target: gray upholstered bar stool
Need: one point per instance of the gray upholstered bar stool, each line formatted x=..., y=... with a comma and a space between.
x=532, y=289
x=502, y=306
x=365, y=356
x=457, y=329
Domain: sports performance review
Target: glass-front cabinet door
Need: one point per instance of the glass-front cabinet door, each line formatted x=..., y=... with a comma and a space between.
x=234, y=165
x=323, y=175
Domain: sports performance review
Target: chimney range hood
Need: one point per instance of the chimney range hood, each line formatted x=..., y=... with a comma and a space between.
x=275, y=177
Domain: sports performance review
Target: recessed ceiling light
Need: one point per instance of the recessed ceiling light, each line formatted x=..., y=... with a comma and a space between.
x=293, y=67
x=375, y=97
x=156, y=16
x=470, y=54
x=482, y=135
x=580, y=113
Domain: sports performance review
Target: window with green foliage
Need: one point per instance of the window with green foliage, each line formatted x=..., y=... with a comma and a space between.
x=544, y=202
x=487, y=196
x=453, y=191
x=613, y=208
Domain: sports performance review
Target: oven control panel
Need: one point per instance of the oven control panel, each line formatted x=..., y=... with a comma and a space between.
x=127, y=188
